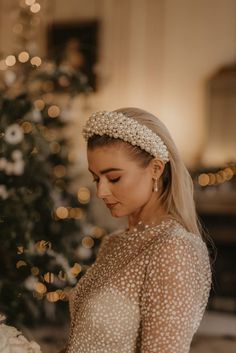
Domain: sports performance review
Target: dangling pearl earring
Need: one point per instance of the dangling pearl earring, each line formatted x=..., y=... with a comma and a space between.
x=156, y=185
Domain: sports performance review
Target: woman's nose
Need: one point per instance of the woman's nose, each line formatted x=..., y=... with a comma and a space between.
x=102, y=190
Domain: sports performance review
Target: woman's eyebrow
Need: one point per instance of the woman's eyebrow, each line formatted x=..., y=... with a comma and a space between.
x=106, y=170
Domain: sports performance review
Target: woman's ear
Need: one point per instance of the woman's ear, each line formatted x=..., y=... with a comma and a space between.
x=157, y=167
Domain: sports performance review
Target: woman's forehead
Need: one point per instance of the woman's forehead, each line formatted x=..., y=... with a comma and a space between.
x=107, y=158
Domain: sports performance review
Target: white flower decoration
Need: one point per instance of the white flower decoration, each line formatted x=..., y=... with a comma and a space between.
x=14, y=134
x=13, y=341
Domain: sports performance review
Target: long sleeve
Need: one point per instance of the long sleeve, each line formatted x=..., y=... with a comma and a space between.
x=175, y=294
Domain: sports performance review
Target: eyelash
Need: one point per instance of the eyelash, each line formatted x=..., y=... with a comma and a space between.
x=112, y=181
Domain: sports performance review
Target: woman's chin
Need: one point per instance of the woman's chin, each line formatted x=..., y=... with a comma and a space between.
x=116, y=211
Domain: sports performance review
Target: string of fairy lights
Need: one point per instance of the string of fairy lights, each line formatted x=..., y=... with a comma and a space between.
x=23, y=57
x=27, y=20
x=221, y=176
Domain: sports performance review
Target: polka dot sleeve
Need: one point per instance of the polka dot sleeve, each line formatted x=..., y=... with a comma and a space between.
x=174, y=295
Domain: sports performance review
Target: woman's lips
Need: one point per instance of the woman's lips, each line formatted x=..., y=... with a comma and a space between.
x=111, y=205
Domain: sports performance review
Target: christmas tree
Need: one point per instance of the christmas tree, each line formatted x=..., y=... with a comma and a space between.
x=47, y=243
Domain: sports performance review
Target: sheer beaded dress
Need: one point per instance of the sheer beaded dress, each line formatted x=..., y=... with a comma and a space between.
x=146, y=292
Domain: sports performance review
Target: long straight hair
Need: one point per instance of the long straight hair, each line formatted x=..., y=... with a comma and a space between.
x=177, y=195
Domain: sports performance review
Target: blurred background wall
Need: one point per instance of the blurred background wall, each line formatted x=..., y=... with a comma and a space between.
x=154, y=54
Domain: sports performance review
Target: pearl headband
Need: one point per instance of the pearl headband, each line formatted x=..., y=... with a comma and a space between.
x=118, y=125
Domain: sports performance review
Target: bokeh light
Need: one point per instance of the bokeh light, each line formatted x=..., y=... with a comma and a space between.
x=59, y=171
x=10, y=60
x=36, y=61
x=62, y=212
x=35, y=8
x=39, y=104
x=83, y=195
x=53, y=111
x=23, y=57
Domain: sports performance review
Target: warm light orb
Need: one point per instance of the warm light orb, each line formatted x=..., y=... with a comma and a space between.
x=35, y=8
x=219, y=178
x=49, y=277
x=59, y=171
x=39, y=104
x=98, y=232
x=212, y=178
x=53, y=296
x=203, y=179
x=62, y=212
x=77, y=213
x=20, y=263
x=10, y=60
x=228, y=173
x=61, y=294
x=23, y=57
x=76, y=269
x=35, y=271
x=36, y=61
x=43, y=245
x=40, y=288
x=53, y=111
x=88, y=242
x=83, y=195
x=27, y=127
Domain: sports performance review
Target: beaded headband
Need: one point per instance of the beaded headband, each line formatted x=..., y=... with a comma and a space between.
x=118, y=125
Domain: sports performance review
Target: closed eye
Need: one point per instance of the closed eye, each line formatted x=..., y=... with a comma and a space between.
x=111, y=180
x=114, y=180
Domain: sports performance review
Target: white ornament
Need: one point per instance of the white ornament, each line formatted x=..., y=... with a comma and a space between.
x=14, y=134
x=13, y=341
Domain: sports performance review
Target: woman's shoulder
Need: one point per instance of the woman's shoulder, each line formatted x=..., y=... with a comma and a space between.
x=178, y=240
x=111, y=235
x=178, y=233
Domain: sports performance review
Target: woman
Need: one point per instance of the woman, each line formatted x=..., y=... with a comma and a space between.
x=149, y=287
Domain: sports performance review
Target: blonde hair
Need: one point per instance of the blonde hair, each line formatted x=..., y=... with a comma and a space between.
x=177, y=196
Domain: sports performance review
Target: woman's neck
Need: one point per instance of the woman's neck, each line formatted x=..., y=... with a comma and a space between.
x=150, y=214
